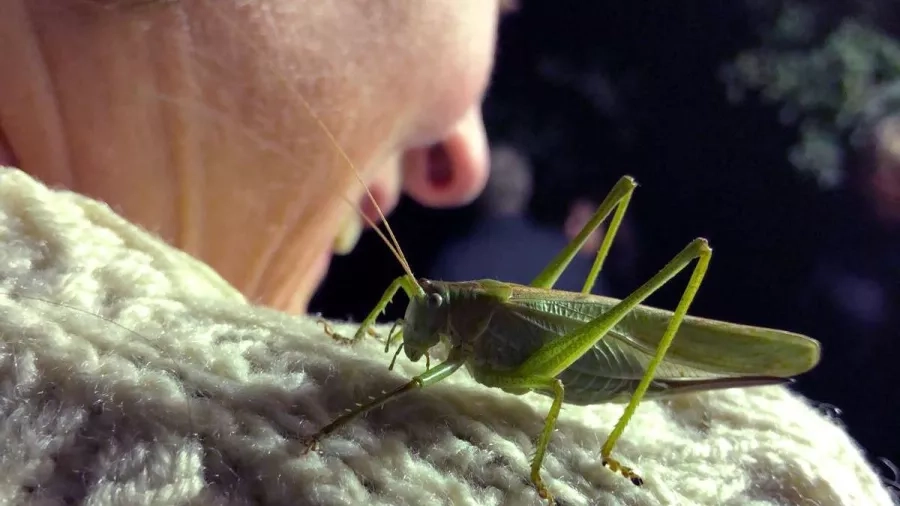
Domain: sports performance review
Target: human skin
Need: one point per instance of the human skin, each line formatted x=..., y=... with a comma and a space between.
x=883, y=183
x=580, y=212
x=188, y=118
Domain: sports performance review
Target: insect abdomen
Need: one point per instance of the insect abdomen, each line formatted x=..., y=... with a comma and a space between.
x=585, y=389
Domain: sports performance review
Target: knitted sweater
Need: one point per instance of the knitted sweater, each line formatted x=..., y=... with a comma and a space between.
x=131, y=374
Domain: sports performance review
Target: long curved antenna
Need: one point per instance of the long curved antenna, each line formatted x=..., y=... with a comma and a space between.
x=398, y=252
x=392, y=244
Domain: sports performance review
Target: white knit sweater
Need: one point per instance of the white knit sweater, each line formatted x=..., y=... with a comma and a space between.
x=194, y=396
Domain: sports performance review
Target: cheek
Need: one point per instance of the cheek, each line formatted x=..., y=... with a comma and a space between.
x=455, y=69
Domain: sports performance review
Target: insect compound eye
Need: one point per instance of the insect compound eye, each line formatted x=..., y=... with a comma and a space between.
x=434, y=299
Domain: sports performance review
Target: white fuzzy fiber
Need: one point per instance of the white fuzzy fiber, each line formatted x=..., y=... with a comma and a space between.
x=197, y=397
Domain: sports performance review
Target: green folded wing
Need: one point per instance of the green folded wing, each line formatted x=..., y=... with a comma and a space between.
x=724, y=347
x=702, y=345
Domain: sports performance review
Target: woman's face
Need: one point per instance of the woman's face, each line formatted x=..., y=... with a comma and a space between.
x=193, y=118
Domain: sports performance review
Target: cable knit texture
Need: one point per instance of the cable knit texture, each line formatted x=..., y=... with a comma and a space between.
x=131, y=374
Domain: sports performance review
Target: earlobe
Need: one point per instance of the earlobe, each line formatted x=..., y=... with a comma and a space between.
x=453, y=172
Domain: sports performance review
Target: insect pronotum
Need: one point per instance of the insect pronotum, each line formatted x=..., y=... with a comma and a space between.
x=578, y=347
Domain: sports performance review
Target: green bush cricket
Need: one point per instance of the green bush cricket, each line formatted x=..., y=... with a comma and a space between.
x=581, y=348
x=578, y=348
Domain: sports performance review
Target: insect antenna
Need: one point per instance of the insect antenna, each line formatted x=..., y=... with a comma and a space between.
x=392, y=244
x=280, y=152
x=390, y=240
x=172, y=368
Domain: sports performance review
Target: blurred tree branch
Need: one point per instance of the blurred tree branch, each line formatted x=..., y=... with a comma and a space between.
x=833, y=66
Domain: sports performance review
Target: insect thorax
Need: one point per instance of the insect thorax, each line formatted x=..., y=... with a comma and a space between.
x=463, y=315
x=440, y=313
x=423, y=325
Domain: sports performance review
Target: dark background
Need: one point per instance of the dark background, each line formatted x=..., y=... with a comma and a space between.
x=590, y=91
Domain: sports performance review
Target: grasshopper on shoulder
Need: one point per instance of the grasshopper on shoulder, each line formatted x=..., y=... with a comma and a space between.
x=578, y=347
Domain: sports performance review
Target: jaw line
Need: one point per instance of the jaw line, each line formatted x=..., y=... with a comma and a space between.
x=348, y=235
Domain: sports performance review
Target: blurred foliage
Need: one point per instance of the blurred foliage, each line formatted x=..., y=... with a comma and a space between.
x=832, y=67
x=574, y=113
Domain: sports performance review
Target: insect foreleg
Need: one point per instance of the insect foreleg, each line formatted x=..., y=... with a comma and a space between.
x=408, y=286
x=430, y=377
x=617, y=198
x=558, y=355
x=329, y=331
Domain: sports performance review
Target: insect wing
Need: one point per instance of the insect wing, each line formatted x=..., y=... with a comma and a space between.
x=710, y=345
x=723, y=347
x=706, y=354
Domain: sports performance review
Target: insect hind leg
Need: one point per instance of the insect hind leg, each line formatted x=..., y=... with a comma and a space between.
x=559, y=355
x=617, y=199
x=700, y=250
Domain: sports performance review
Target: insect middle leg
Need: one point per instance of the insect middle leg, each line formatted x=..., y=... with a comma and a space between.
x=617, y=199
x=556, y=356
x=430, y=377
x=514, y=382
